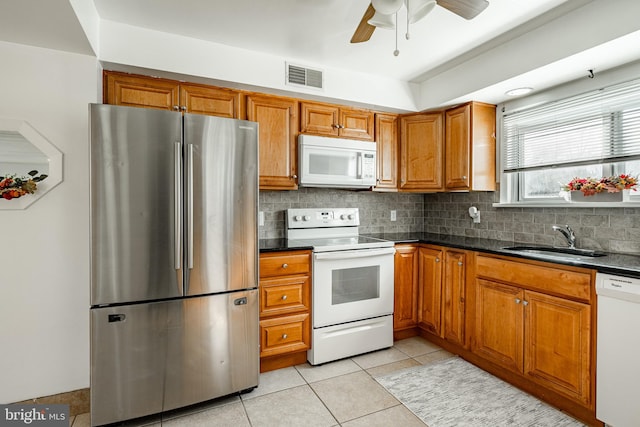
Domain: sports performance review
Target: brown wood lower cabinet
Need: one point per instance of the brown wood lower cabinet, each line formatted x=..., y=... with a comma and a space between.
x=557, y=340
x=405, y=313
x=285, y=309
x=430, y=292
x=534, y=319
x=528, y=322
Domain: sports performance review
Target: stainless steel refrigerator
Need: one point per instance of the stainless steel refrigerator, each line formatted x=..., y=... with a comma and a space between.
x=174, y=260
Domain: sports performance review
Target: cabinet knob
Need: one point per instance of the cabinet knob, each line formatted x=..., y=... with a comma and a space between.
x=525, y=302
x=285, y=265
x=285, y=336
x=464, y=177
x=517, y=300
x=176, y=108
x=437, y=259
x=183, y=108
x=294, y=176
x=284, y=297
x=460, y=263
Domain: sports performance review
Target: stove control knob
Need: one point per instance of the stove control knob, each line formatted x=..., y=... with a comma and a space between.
x=351, y=216
x=307, y=218
x=343, y=216
x=297, y=218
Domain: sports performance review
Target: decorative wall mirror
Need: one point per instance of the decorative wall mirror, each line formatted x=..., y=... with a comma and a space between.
x=30, y=165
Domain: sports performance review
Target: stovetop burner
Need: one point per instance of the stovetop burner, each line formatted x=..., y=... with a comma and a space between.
x=329, y=230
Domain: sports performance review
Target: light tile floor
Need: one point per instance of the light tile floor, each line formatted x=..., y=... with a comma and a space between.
x=341, y=393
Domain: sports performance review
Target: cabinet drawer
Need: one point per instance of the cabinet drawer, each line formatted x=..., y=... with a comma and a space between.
x=552, y=280
x=284, y=264
x=284, y=334
x=284, y=296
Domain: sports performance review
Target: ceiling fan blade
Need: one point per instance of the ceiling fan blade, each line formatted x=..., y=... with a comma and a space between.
x=468, y=9
x=364, y=30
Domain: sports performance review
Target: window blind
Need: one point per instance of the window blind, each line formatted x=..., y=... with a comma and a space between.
x=601, y=126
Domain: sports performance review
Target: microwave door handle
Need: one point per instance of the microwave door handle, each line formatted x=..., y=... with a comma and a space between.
x=359, y=171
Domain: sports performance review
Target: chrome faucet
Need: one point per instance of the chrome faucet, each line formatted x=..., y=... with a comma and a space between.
x=567, y=232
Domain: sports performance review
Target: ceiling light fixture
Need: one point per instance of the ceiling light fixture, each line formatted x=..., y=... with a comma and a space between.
x=518, y=91
x=386, y=9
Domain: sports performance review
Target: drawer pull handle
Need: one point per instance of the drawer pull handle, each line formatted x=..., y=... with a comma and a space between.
x=284, y=297
x=285, y=265
x=285, y=336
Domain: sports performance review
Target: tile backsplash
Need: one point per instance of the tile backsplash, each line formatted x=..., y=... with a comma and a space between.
x=375, y=209
x=607, y=229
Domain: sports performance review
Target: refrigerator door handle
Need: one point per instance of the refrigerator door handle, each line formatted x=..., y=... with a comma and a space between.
x=177, y=212
x=190, y=205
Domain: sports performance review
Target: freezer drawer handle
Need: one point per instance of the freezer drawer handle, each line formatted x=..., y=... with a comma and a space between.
x=240, y=301
x=117, y=318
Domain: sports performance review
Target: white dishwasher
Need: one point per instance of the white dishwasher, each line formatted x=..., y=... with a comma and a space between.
x=618, y=364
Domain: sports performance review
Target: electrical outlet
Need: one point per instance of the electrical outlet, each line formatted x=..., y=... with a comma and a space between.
x=393, y=215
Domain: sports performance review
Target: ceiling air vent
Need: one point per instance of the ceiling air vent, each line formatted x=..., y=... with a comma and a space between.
x=297, y=75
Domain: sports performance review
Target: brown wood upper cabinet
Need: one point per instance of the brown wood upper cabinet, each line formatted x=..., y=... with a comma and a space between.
x=333, y=120
x=278, y=119
x=387, y=152
x=151, y=92
x=470, y=147
x=421, y=152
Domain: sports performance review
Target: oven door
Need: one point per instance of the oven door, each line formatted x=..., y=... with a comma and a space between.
x=352, y=285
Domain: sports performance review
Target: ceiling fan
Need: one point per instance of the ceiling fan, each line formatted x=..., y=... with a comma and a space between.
x=380, y=13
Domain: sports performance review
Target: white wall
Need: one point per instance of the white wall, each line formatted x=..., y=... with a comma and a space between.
x=594, y=24
x=44, y=249
x=155, y=50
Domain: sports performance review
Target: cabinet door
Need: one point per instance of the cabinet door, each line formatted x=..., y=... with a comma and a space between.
x=457, y=144
x=421, y=152
x=355, y=123
x=387, y=151
x=430, y=292
x=140, y=91
x=558, y=345
x=470, y=147
x=285, y=334
x=213, y=101
x=284, y=295
x=278, y=119
x=453, y=297
x=406, y=287
x=319, y=119
x=499, y=324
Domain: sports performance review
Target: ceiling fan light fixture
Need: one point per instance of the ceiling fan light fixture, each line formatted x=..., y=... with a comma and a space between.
x=418, y=9
x=519, y=91
x=386, y=7
x=380, y=20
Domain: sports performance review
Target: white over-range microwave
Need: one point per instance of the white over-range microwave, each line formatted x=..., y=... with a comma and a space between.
x=335, y=162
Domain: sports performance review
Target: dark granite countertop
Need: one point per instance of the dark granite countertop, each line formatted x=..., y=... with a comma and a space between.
x=621, y=264
x=279, y=245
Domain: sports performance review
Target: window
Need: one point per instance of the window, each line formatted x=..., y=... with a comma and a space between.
x=594, y=134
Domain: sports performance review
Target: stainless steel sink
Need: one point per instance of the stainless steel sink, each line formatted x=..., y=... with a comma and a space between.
x=556, y=252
